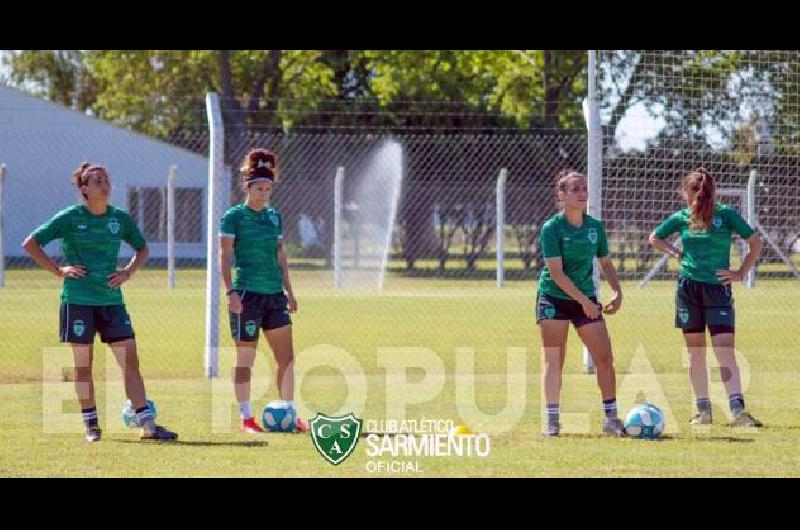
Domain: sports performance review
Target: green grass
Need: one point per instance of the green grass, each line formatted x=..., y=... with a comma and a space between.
x=411, y=315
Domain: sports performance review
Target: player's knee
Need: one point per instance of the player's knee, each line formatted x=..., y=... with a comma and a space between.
x=697, y=355
x=241, y=374
x=603, y=361
x=286, y=360
x=725, y=373
x=83, y=374
x=551, y=363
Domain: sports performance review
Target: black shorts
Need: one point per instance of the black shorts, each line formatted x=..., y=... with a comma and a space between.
x=259, y=311
x=553, y=308
x=699, y=304
x=79, y=323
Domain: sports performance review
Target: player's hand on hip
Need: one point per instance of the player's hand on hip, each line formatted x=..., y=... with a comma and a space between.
x=729, y=276
x=235, y=303
x=72, y=271
x=116, y=279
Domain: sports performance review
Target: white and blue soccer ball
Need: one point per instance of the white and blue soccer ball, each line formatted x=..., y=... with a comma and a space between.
x=129, y=413
x=279, y=416
x=644, y=421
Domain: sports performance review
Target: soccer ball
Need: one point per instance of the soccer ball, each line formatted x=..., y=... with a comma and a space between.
x=279, y=416
x=644, y=421
x=129, y=413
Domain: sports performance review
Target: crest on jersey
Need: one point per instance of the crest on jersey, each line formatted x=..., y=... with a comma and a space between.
x=593, y=235
x=717, y=222
x=113, y=226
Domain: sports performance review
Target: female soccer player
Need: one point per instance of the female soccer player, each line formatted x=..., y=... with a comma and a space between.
x=91, y=299
x=704, y=297
x=570, y=240
x=261, y=296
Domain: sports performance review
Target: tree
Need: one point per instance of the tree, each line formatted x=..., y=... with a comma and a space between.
x=697, y=92
x=58, y=75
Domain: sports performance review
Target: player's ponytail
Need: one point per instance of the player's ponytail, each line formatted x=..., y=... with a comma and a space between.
x=699, y=184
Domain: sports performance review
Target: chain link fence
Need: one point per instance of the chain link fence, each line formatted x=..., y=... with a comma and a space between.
x=440, y=240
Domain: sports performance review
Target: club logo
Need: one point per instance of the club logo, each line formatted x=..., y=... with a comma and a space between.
x=113, y=226
x=250, y=327
x=717, y=222
x=335, y=437
x=593, y=235
x=78, y=327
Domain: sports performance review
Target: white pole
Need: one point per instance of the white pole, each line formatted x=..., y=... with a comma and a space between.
x=501, y=223
x=595, y=171
x=216, y=172
x=337, y=228
x=171, y=226
x=2, y=252
x=751, y=219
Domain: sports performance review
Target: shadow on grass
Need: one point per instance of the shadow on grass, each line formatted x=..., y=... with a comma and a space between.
x=663, y=438
x=722, y=439
x=189, y=443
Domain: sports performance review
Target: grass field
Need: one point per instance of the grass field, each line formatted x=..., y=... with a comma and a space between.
x=435, y=321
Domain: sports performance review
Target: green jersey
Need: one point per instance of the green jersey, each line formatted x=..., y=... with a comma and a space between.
x=705, y=251
x=255, y=248
x=577, y=248
x=92, y=241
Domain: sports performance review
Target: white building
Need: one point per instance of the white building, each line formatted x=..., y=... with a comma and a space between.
x=42, y=143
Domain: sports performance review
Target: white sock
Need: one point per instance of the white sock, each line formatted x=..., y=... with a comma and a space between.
x=244, y=409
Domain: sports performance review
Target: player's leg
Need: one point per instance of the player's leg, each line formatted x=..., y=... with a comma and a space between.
x=244, y=330
x=126, y=355
x=114, y=325
x=594, y=336
x=553, y=327
x=690, y=319
x=721, y=318
x=724, y=348
x=281, y=344
x=76, y=326
x=84, y=388
x=698, y=374
x=278, y=332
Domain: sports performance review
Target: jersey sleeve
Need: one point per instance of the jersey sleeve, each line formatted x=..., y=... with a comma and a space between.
x=669, y=226
x=738, y=224
x=548, y=240
x=602, y=241
x=54, y=228
x=227, y=225
x=133, y=236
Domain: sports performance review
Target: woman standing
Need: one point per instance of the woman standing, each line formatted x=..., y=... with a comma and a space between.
x=91, y=300
x=704, y=298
